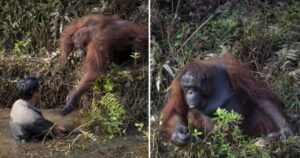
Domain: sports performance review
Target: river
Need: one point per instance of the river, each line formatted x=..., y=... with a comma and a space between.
x=130, y=145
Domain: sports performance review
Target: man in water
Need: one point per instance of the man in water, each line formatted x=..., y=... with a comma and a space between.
x=27, y=122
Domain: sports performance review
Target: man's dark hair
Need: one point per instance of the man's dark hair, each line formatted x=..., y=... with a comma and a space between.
x=27, y=86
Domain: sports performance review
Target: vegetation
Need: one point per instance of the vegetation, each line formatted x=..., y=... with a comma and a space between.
x=33, y=27
x=262, y=34
x=227, y=140
x=29, y=33
x=114, y=106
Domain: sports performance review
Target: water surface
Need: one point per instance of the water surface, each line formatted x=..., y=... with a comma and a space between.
x=130, y=145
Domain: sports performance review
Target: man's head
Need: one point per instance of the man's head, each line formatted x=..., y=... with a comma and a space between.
x=27, y=88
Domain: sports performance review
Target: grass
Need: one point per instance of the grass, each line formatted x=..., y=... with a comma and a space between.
x=32, y=27
x=262, y=34
x=30, y=32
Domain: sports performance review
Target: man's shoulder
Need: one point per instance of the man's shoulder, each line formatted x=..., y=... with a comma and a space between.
x=22, y=109
x=20, y=102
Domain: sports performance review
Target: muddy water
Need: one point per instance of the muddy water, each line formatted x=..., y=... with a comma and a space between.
x=130, y=145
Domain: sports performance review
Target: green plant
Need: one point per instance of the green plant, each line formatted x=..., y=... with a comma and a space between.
x=286, y=91
x=262, y=34
x=105, y=84
x=115, y=114
x=226, y=140
x=225, y=119
x=143, y=130
x=135, y=56
x=22, y=46
x=41, y=21
x=108, y=115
